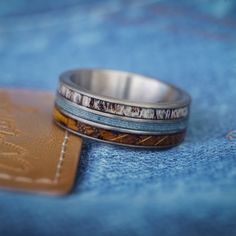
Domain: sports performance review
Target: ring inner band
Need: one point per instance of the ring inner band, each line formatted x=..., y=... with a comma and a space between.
x=125, y=86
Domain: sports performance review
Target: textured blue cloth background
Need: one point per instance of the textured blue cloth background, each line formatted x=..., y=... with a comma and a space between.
x=187, y=190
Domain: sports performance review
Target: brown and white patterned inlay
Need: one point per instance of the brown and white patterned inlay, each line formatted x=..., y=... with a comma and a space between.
x=122, y=110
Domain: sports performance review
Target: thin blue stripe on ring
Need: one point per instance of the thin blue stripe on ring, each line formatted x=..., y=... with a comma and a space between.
x=74, y=109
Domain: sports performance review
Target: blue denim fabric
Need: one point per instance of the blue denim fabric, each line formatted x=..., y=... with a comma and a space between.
x=187, y=190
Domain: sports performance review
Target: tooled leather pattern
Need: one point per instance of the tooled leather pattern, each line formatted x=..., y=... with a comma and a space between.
x=35, y=155
x=11, y=155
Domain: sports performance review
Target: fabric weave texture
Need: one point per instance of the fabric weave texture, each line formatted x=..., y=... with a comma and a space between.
x=186, y=190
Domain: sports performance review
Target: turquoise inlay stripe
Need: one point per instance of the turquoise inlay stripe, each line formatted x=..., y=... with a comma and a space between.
x=117, y=122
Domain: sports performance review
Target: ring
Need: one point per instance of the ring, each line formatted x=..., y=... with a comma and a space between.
x=122, y=108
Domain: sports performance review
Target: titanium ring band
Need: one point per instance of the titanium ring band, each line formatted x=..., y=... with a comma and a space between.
x=121, y=107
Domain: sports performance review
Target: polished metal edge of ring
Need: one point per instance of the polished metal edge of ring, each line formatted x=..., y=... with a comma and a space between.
x=117, y=108
x=113, y=128
x=138, y=140
x=72, y=109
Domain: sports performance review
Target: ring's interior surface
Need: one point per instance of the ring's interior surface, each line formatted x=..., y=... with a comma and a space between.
x=126, y=86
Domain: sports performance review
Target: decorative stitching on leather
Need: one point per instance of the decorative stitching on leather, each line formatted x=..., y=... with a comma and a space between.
x=62, y=157
x=43, y=180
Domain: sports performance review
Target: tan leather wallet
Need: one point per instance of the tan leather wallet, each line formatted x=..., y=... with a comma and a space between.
x=35, y=154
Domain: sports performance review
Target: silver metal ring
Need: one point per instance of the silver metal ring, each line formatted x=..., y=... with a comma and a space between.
x=122, y=101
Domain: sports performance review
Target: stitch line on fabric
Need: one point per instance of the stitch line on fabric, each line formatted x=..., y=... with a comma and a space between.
x=43, y=180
